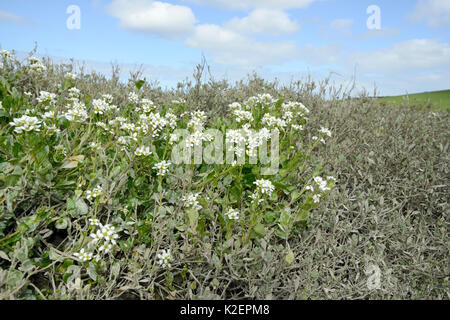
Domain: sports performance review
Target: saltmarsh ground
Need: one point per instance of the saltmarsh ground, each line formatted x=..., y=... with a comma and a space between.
x=92, y=211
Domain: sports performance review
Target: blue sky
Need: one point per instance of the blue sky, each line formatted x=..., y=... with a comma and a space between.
x=286, y=39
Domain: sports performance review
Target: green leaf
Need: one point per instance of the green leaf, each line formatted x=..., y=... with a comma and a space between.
x=193, y=218
x=4, y=256
x=260, y=230
x=92, y=272
x=81, y=206
x=61, y=224
x=139, y=84
x=72, y=162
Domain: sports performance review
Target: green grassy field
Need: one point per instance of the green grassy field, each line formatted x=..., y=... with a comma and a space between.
x=429, y=100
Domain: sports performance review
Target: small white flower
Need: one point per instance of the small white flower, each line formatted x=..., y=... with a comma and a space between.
x=83, y=256
x=48, y=115
x=46, y=98
x=232, y=214
x=316, y=198
x=106, y=247
x=77, y=113
x=108, y=98
x=264, y=186
x=95, y=222
x=70, y=76
x=143, y=151
x=133, y=97
x=95, y=146
x=99, y=106
x=96, y=192
x=325, y=131
x=190, y=201
x=162, y=167
x=164, y=258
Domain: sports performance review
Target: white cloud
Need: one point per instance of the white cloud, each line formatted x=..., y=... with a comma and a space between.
x=252, y=4
x=274, y=22
x=160, y=18
x=435, y=12
x=8, y=17
x=379, y=33
x=407, y=56
x=231, y=48
x=342, y=25
x=327, y=54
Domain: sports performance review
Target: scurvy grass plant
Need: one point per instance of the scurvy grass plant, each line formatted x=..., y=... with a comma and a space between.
x=102, y=175
x=85, y=215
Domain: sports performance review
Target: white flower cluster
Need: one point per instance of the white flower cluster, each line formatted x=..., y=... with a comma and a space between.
x=143, y=151
x=198, y=119
x=325, y=131
x=74, y=94
x=126, y=140
x=232, y=214
x=164, y=258
x=171, y=120
x=6, y=54
x=102, y=105
x=196, y=138
x=147, y=105
x=179, y=101
x=298, y=127
x=243, y=115
x=118, y=121
x=265, y=99
x=99, y=106
x=46, y=98
x=129, y=127
x=95, y=146
x=77, y=113
x=297, y=107
x=263, y=187
x=48, y=115
x=36, y=65
x=190, y=201
x=162, y=167
x=26, y=123
x=320, y=187
x=255, y=139
x=274, y=122
x=235, y=106
x=95, y=193
x=235, y=141
x=104, y=239
x=94, y=222
x=106, y=235
x=70, y=76
x=83, y=256
x=133, y=97
x=153, y=123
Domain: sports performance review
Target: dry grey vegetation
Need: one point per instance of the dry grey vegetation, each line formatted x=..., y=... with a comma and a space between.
x=389, y=208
